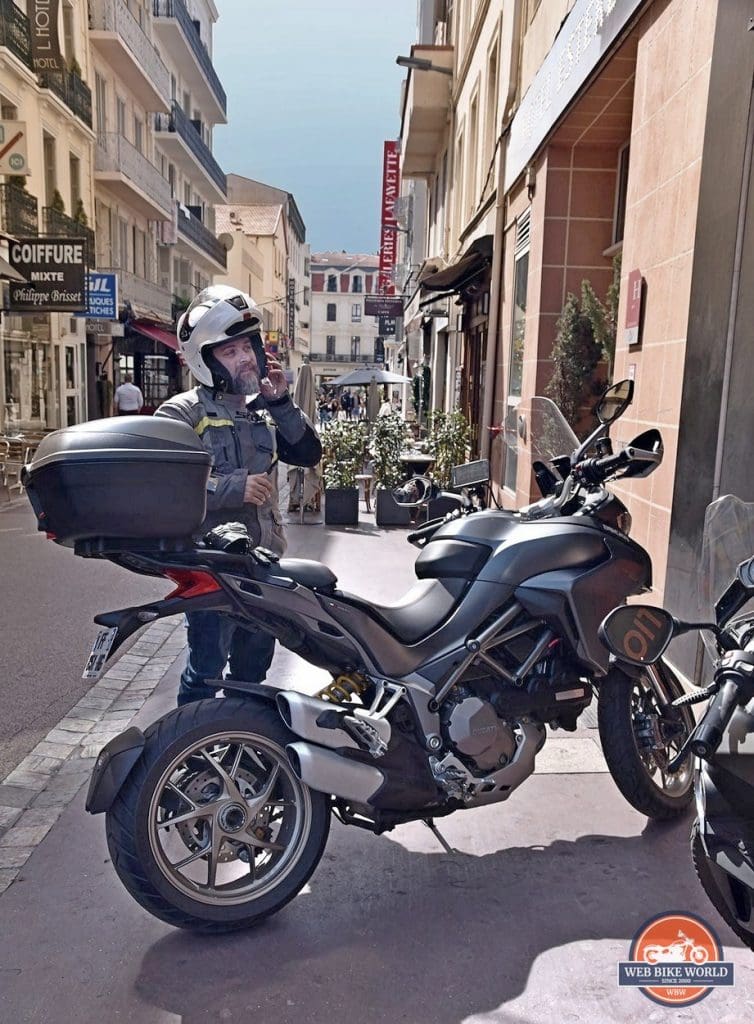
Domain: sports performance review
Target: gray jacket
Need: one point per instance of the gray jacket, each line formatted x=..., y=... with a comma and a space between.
x=243, y=442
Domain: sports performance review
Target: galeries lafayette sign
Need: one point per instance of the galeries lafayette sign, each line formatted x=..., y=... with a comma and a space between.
x=55, y=269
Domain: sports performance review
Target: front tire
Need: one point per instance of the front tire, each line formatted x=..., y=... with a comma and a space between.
x=707, y=881
x=212, y=830
x=638, y=740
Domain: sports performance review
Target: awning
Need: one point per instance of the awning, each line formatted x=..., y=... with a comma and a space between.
x=470, y=265
x=8, y=273
x=156, y=332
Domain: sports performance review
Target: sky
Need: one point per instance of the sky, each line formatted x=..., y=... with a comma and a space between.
x=313, y=91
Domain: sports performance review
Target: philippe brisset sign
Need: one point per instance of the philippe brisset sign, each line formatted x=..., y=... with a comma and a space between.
x=45, y=42
x=55, y=269
x=588, y=32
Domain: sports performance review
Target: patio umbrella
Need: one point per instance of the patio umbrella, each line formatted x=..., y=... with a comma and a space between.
x=373, y=401
x=365, y=376
x=305, y=399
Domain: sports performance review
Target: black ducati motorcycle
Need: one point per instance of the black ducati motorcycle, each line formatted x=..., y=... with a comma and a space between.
x=219, y=812
x=722, y=743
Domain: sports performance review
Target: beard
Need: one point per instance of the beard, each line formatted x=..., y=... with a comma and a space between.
x=245, y=382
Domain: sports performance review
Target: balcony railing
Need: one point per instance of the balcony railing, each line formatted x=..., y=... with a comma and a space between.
x=116, y=153
x=15, y=32
x=146, y=296
x=74, y=92
x=193, y=229
x=177, y=9
x=322, y=357
x=18, y=211
x=56, y=223
x=114, y=16
x=177, y=121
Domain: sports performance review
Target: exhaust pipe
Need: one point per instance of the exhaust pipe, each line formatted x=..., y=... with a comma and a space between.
x=329, y=773
x=322, y=722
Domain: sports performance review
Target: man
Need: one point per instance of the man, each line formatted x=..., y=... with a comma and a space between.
x=128, y=398
x=247, y=420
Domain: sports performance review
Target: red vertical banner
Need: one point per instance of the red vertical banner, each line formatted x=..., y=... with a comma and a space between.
x=388, y=232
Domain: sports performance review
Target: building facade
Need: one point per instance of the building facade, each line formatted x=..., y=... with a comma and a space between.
x=343, y=337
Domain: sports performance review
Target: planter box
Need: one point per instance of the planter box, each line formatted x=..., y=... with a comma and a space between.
x=387, y=513
x=342, y=506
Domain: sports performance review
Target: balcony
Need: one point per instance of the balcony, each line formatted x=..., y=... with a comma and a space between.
x=147, y=299
x=192, y=229
x=56, y=223
x=18, y=212
x=15, y=34
x=322, y=357
x=426, y=105
x=121, y=40
x=74, y=92
x=120, y=166
x=183, y=144
x=179, y=36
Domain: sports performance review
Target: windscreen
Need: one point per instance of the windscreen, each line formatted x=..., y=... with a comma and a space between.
x=549, y=433
x=728, y=541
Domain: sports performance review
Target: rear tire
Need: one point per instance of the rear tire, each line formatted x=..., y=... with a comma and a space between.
x=638, y=742
x=212, y=831
x=707, y=882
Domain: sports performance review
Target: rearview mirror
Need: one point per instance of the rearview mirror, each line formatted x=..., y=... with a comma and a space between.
x=638, y=633
x=413, y=492
x=614, y=401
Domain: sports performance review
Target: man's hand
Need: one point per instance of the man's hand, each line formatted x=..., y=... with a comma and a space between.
x=273, y=385
x=258, y=489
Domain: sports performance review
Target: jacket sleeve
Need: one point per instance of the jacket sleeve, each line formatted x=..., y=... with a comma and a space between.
x=297, y=440
x=224, y=490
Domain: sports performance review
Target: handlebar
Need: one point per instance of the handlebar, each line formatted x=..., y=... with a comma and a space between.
x=709, y=733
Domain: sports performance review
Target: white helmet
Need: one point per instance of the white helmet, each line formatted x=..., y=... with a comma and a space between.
x=217, y=314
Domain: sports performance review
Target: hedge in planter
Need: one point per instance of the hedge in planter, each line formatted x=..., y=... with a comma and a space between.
x=343, y=449
x=389, y=437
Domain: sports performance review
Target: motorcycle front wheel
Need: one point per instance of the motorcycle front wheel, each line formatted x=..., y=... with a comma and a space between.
x=212, y=831
x=640, y=735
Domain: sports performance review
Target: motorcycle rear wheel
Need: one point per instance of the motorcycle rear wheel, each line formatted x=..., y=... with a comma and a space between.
x=638, y=741
x=212, y=831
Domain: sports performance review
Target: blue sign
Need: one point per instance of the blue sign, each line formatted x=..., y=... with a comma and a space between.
x=102, y=296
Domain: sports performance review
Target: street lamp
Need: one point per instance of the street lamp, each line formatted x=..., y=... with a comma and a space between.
x=421, y=64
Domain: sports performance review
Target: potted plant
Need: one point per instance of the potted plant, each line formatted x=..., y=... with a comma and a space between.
x=448, y=442
x=343, y=447
x=388, y=439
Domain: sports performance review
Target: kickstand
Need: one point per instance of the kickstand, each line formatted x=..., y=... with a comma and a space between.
x=429, y=822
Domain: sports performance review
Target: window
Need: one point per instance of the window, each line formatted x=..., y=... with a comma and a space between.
x=356, y=313
x=332, y=283
x=306, y=296
x=355, y=346
x=518, y=333
x=100, y=91
x=68, y=35
x=48, y=150
x=123, y=246
x=331, y=308
x=491, y=111
x=139, y=134
x=330, y=344
x=74, y=165
x=120, y=115
x=621, y=191
x=472, y=168
x=356, y=283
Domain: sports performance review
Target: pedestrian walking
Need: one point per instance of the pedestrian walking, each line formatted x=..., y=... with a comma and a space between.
x=246, y=419
x=128, y=398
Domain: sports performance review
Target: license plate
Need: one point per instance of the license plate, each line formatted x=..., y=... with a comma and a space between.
x=100, y=651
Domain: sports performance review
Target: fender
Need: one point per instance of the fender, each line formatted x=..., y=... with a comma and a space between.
x=113, y=766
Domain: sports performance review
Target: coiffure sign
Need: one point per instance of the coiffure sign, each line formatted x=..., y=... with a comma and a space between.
x=55, y=269
x=45, y=42
x=585, y=36
x=388, y=231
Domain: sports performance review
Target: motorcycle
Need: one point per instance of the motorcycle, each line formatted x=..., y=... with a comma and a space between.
x=682, y=949
x=219, y=812
x=722, y=742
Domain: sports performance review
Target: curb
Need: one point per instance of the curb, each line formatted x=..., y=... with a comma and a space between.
x=37, y=791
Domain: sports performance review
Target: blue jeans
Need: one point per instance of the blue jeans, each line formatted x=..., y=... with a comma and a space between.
x=213, y=641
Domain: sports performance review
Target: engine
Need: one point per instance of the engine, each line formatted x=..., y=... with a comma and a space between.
x=476, y=733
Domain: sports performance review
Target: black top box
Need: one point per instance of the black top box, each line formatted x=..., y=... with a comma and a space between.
x=133, y=477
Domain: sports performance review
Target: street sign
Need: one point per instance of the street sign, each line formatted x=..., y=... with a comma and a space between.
x=387, y=326
x=383, y=305
x=13, y=152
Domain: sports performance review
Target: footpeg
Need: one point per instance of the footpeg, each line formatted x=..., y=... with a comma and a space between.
x=429, y=822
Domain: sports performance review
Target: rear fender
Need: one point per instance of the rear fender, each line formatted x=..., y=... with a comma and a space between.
x=112, y=767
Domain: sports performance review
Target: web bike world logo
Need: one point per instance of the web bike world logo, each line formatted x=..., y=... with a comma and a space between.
x=676, y=960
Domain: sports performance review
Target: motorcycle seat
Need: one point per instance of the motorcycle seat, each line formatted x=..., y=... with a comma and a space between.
x=307, y=572
x=418, y=613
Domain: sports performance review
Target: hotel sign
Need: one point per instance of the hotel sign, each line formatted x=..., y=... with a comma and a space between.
x=389, y=223
x=45, y=41
x=586, y=35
